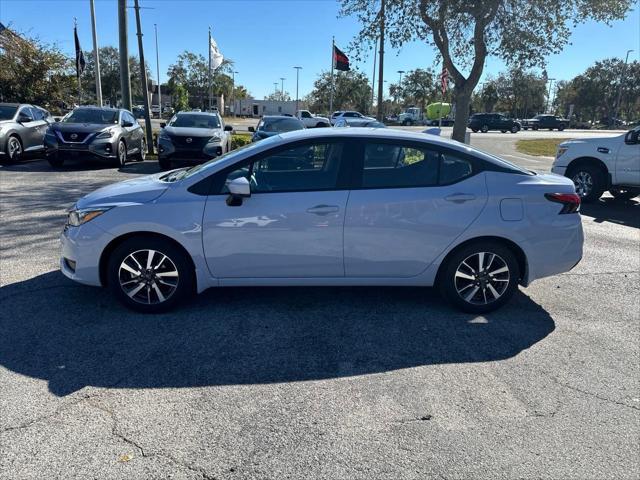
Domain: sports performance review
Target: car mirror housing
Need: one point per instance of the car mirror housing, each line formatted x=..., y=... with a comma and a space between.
x=228, y=128
x=631, y=137
x=239, y=187
x=251, y=129
x=163, y=124
x=127, y=124
x=22, y=118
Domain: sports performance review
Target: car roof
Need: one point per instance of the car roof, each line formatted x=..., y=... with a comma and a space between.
x=273, y=117
x=13, y=104
x=95, y=107
x=204, y=114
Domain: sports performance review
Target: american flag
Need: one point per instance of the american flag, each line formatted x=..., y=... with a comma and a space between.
x=444, y=78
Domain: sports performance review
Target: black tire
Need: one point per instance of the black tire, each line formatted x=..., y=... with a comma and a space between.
x=454, y=288
x=181, y=287
x=321, y=125
x=142, y=154
x=590, y=182
x=503, y=131
x=484, y=128
x=165, y=163
x=561, y=128
x=13, y=150
x=624, y=194
x=121, y=154
x=474, y=130
x=54, y=160
x=534, y=128
x=515, y=129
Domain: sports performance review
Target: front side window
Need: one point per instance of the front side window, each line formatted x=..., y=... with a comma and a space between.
x=306, y=115
x=303, y=168
x=399, y=166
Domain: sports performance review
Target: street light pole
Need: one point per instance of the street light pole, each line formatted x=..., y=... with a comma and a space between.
x=233, y=93
x=624, y=70
x=125, y=78
x=96, y=54
x=297, y=82
x=143, y=74
x=400, y=84
x=282, y=79
x=155, y=26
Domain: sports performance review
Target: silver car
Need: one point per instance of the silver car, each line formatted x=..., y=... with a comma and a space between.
x=22, y=130
x=344, y=206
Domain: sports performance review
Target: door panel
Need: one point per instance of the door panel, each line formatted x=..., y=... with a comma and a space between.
x=628, y=165
x=289, y=234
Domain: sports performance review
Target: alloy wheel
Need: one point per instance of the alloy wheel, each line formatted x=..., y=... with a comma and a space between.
x=143, y=150
x=122, y=153
x=482, y=278
x=148, y=276
x=583, y=182
x=15, y=148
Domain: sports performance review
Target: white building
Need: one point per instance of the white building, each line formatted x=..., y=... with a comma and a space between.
x=250, y=107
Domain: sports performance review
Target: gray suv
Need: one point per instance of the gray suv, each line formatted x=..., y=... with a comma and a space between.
x=107, y=133
x=22, y=129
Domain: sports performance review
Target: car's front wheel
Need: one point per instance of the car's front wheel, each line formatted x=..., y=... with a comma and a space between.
x=514, y=129
x=480, y=277
x=13, y=149
x=589, y=182
x=121, y=154
x=149, y=274
x=484, y=128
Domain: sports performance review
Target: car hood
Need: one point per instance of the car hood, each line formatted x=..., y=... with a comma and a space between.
x=593, y=142
x=5, y=122
x=82, y=127
x=138, y=190
x=192, y=132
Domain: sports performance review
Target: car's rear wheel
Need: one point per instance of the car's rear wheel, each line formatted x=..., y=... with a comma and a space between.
x=480, y=277
x=589, y=182
x=484, y=128
x=515, y=129
x=561, y=128
x=149, y=274
x=143, y=151
x=321, y=125
x=474, y=130
x=624, y=194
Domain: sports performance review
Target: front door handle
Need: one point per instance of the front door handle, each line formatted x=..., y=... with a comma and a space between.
x=460, y=197
x=323, y=209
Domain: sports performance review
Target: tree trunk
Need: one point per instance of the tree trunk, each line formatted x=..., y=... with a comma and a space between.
x=463, y=100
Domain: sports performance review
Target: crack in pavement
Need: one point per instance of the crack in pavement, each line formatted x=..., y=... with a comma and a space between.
x=591, y=394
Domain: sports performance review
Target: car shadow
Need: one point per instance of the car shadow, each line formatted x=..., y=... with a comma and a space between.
x=74, y=336
x=82, y=165
x=608, y=209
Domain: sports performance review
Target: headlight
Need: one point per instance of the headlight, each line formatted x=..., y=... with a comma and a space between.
x=105, y=134
x=78, y=217
x=215, y=139
x=560, y=151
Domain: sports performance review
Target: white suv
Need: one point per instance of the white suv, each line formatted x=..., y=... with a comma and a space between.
x=599, y=164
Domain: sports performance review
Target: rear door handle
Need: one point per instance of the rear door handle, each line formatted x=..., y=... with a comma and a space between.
x=323, y=209
x=460, y=197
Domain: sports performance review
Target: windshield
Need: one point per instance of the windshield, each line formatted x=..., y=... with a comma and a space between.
x=195, y=121
x=7, y=113
x=280, y=125
x=92, y=115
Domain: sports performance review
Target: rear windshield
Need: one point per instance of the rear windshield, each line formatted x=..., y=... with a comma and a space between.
x=92, y=115
x=7, y=113
x=280, y=125
x=195, y=121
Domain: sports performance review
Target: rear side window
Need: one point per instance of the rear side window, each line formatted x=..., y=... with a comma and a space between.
x=400, y=166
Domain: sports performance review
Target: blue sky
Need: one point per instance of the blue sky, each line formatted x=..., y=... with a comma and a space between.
x=266, y=38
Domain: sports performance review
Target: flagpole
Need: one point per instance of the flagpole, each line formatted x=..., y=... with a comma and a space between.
x=373, y=83
x=75, y=32
x=96, y=54
x=209, y=76
x=333, y=49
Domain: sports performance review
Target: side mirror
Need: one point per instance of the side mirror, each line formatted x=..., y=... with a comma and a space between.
x=228, y=128
x=239, y=188
x=163, y=124
x=631, y=137
x=252, y=130
x=23, y=118
x=127, y=124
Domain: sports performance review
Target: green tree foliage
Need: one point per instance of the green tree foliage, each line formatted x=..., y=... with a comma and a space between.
x=180, y=96
x=110, y=77
x=593, y=93
x=35, y=72
x=278, y=96
x=465, y=32
x=352, y=92
x=517, y=93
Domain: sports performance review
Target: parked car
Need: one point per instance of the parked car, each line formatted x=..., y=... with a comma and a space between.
x=193, y=137
x=492, y=121
x=271, y=125
x=546, y=121
x=602, y=163
x=22, y=129
x=342, y=122
x=312, y=121
x=100, y=132
x=355, y=119
x=343, y=206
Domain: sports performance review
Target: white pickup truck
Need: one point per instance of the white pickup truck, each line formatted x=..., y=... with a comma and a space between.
x=310, y=120
x=599, y=164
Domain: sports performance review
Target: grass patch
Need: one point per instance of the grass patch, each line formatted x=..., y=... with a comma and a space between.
x=540, y=146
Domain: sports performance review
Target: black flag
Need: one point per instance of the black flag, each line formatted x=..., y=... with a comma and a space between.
x=80, y=63
x=340, y=60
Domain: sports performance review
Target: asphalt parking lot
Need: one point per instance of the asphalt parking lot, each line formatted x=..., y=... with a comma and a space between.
x=365, y=383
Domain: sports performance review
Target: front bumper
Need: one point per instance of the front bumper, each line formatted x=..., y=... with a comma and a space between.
x=81, y=248
x=168, y=151
x=101, y=148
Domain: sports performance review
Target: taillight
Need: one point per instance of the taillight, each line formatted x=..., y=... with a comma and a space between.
x=570, y=201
